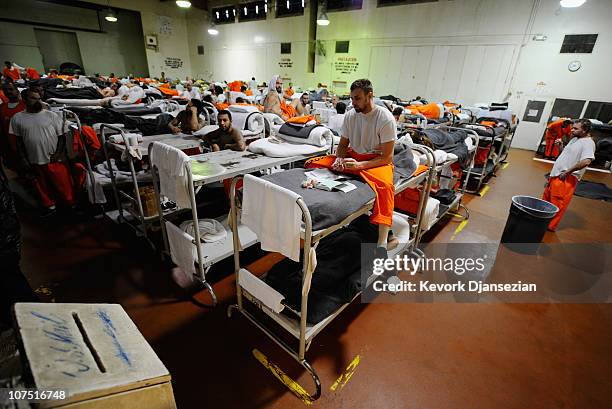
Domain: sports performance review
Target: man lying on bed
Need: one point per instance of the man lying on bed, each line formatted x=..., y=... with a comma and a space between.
x=226, y=137
x=366, y=149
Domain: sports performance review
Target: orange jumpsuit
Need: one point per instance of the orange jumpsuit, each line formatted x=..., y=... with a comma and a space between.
x=554, y=131
x=429, y=111
x=12, y=73
x=32, y=73
x=559, y=192
x=380, y=179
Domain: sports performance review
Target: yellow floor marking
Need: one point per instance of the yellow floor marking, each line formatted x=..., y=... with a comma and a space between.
x=459, y=228
x=505, y=165
x=455, y=215
x=348, y=373
x=293, y=386
x=484, y=190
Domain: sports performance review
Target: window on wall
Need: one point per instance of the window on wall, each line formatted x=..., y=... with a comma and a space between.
x=255, y=10
x=340, y=5
x=599, y=110
x=224, y=15
x=287, y=8
x=578, y=43
x=285, y=48
x=342, y=47
x=383, y=3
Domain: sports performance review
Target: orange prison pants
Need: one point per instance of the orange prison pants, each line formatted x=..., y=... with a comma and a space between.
x=53, y=180
x=559, y=192
x=380, y=179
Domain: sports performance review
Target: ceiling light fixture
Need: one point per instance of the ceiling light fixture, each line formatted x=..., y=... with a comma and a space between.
x=212, y=29
x=111, y=16
x=572, y=3
x=185, y=4
x=323, y=20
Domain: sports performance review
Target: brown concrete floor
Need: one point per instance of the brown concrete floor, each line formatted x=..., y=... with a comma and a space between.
x=412, y=355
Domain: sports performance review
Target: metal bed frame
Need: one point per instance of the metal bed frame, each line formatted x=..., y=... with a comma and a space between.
x=300, y=330
x=207, y=255
x=500, y=149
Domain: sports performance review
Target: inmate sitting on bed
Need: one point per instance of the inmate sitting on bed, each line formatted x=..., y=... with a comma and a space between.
x=189, y=120
x=366, y=149
x=226, y=137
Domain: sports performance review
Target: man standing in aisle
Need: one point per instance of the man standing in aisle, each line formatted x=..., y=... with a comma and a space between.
x=41, y=144
x=569, y=168
x=8, y=144
x=366, y=148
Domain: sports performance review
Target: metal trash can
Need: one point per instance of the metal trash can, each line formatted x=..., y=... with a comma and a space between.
x=528, y=219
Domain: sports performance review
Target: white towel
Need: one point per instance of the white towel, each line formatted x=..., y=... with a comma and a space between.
x=440, y=156
x=171, y=164
x=118, y=139
x=260, y=290
x=182, y=249
x=275, y=148
x=271, y=211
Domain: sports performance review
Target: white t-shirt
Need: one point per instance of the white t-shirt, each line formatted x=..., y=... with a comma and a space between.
x=366, y=132
x=335, y=122
x=576, y=150
x=39, y=133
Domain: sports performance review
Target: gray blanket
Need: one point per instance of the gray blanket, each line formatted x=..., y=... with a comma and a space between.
x=326, y=208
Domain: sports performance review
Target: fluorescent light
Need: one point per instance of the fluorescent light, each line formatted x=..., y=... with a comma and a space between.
x=217, y=14
x=256, y=9
x=258, y=39
x=110, y=16
x=302, y=3
x=183, y=3
x=245, y=11
x=213, y=31
x=572, y=3
x=287, y=4
x=266, y=7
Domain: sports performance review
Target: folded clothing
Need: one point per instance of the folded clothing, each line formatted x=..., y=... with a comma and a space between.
x=316, y=135
x=245, y=109
x=451, y=141
x=278, y=148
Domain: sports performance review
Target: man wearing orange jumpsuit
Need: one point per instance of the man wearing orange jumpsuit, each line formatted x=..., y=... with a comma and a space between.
x=569, y=168
x=10, y=71
x=555, y=131
x=366, y=149
x=8, y=143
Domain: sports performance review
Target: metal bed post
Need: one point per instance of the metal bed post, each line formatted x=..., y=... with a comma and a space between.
x=196, y=233
x=160, y=213
x=67, y=113
x=235, y=239
x=110, y=168
x=431, y=161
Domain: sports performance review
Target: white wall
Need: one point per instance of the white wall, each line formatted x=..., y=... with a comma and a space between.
x=463, y=50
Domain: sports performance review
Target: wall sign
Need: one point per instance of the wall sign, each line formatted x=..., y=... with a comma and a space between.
x=346, y=65
x=533, y=111
x=165, y=25
x=173, y=62
x=285, y=63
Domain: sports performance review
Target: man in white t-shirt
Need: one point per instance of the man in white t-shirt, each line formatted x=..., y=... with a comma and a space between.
x=336, y=121
x=41, y=143
x=366, y=148
x=569, y=168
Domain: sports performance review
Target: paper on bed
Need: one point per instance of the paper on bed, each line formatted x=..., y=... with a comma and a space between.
x=260, y=290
